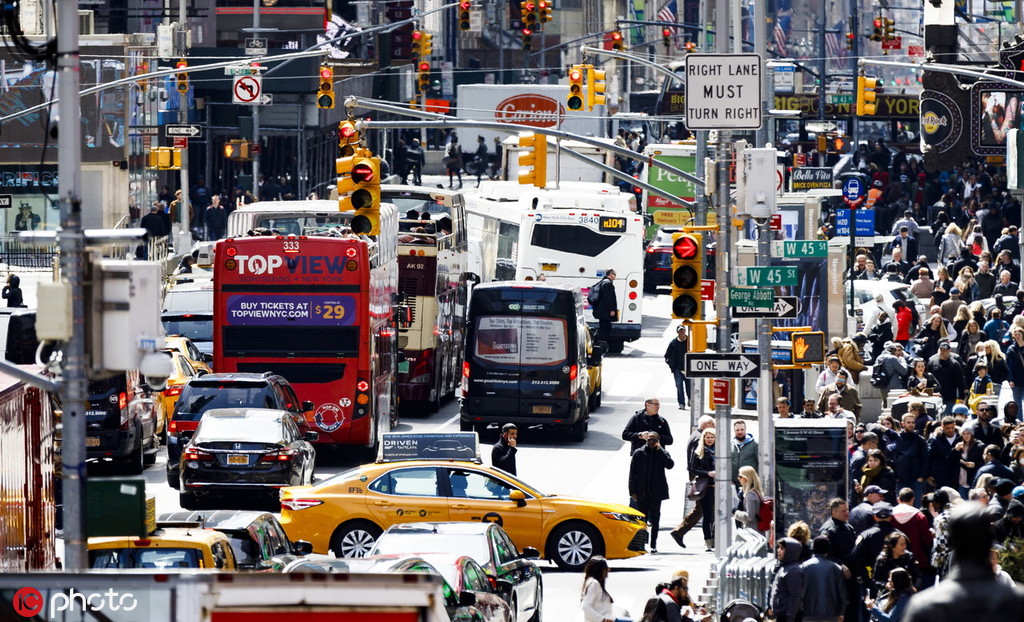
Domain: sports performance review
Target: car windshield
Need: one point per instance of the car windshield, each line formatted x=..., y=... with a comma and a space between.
x=398, y=542
x=189, y=300
x=195, y=327
x=199, y=397
x=145, y=558
x=238, y=428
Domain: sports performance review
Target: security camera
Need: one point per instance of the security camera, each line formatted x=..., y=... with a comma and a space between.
x=156, y=368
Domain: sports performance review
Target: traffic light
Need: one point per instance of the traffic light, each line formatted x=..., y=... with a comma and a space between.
x=574, y=100
x=808, y=348
x=528, y=11
x=595, y=87
x=822, y=143
x=666, y=38
x=423, y=77
x=877, y=34
x=348, y=137
x=527, y=40
x=687, y=267
x=237, y=150
x=422, y=44
x=464, y=14
x=325, y=93
x=164, y=159
x=533, y=160
x=867, y=95
x=850, y=38
x=888, y=29
x=365, y=198
x=690, y=46
x=617, y=41
x=543, y=13
x=182, y=76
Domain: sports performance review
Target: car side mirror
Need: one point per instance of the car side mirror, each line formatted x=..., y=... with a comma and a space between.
x=307, y=406
x=518, y=496
x=312, y=437
x=530, y=553
x=207, y=358
x=467, y=599
x=301, y=547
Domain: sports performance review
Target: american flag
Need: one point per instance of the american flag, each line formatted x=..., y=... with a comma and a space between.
x=668, y=13
x=780, y=41
x=833, y=48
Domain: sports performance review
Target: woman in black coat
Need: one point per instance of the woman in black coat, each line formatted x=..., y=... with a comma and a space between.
x=877, y=472
x=968, y=456
x=926, y=343
x=879, y=334
x=895, y=554
x=702, y=464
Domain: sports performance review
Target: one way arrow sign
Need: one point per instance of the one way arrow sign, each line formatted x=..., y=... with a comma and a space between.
x=784, y=307
x=711, y=365
x=183, y=130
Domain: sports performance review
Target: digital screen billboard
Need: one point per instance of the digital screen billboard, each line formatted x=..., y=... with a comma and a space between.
x=994, y=112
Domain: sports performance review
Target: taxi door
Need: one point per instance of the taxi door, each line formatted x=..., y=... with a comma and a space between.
x=407, y=495
x=475, y=495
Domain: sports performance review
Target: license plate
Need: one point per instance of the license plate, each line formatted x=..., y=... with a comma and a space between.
x=238, y=459
x=542, y=410
x=403, y=367
x=549, y=267
x=95, y=413
x=92, y=441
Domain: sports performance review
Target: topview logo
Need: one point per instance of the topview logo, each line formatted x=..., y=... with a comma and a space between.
x=29, y=602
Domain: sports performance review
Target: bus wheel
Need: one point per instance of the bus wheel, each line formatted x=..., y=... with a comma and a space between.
x=354, y=539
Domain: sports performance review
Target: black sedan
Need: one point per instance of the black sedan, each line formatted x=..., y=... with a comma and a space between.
x=255, y=450
x=517, y=576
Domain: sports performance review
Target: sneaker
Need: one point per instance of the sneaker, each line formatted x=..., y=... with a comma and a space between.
x=654, y=551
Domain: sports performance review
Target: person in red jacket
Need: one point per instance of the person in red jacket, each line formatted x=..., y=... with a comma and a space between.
x=904, y=320
x=908, y=519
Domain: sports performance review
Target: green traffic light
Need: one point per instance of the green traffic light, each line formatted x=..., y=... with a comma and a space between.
x=575, y=102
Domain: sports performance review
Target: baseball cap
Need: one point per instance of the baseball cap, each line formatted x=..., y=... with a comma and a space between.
x=944, y=345
x=955, y=291
x=881, y=509
x=871, y=490
x=1004, y=486
x=680, y=327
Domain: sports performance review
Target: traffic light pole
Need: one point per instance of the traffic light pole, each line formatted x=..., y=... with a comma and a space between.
x=255, y=115
x=180, y=244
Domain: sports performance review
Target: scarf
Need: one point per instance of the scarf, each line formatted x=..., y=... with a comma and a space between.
x=869, y=474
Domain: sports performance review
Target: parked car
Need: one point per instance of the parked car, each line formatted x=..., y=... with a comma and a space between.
x=201, y=362
x=487, y=543
x=266, y=390
x=257, y=538
x=257, y=450
x=165, y=549
x=183, y=372
x=188, y=311
x=122, y=422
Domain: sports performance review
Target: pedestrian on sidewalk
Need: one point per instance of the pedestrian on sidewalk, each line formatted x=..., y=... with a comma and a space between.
x=702, y=465
x=675, y=358
x=12, y=292
x=751, y=496
x=595, y=601
x=645, y=421
x=787, y=593
x=648, y=486
x=825, y=594
x=503, y=454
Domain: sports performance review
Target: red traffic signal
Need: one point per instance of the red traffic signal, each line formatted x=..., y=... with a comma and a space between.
x=424, y=67
x=417, y=35
x=530, y=6
x=362, y=173
x=877, y=23
x=686, y=247
x=465, y=5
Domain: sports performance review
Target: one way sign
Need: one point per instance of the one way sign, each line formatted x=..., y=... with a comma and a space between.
x=784, y=307
x=183, y=130
x=712, y=365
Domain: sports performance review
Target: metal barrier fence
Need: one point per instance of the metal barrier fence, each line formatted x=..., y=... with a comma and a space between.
x=16, y=253
x=746, y=572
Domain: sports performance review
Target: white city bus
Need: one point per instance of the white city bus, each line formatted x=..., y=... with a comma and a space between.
x=571, y=235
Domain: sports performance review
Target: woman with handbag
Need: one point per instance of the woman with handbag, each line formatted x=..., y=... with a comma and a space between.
x=702, y=472
x=749, y=506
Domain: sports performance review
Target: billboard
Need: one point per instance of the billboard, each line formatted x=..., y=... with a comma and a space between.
x=811, y=468
x=995, y=110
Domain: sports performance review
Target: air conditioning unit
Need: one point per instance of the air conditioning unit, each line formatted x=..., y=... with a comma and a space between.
x=31, y=19
x=86, y=22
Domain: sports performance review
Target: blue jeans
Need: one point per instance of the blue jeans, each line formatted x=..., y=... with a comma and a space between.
x=682, y=386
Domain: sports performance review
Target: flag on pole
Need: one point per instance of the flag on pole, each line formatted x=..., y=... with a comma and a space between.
x=780, y=41
x=668, y=12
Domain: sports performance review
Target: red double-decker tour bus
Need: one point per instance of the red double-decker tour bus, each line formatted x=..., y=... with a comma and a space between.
x=319, y=311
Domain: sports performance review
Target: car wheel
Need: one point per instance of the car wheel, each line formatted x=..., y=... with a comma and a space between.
x=188, y=501
x=172, y=479
x=615, y=346
x=149, y=458
x=465, y=426
x=354, y=539
x=135, y=463
x=599, y=395
x=573, y=544
x=578, y=431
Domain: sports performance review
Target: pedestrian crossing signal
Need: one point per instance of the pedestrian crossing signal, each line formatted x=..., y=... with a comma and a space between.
x=808, y=348
x=687, y=266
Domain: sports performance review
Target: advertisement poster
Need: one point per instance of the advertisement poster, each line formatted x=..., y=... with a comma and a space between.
x=521, y=340
x=253, y=310
x=811, y=465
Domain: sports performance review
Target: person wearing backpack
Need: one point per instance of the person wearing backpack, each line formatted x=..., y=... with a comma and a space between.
x=604, y=304
x=748, y=509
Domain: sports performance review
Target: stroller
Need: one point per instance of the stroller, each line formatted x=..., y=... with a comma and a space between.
x=740, y=610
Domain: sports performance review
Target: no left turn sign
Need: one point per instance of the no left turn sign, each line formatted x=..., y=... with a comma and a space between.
x=247, y=89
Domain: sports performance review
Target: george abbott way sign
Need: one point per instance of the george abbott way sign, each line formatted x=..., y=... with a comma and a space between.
x=723, y=91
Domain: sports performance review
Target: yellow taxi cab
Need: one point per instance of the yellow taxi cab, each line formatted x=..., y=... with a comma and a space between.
x=166, y=548
x=595, y=357
x=184, y=345
x=346, y=513
x=183, y=372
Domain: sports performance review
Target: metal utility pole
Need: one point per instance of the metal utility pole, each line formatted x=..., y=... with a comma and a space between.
x=255, y=114
x=72, y=258
x=180, y=244
x=723, y=154
x=765, y=383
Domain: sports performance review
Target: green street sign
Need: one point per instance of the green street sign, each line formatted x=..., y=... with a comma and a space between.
x=772, y=276
x=744, y=297
x=840, y=98
x=804, y=248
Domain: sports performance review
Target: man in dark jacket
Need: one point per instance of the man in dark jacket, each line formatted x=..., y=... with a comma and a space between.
x=825, y=596
x=607, y=308
x=675, y=358
x=787, y=595
x=970, y=591
x=870, y=543
x=645, y=421
x=949, y=373
x=503, y=454
x=648, y=486
x=842, y=538
x=984, y=431
x=216, y=219
x=941, y=471
x=993, y=465
x=910, y=456
x=1011, y=525
x=860, y=516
